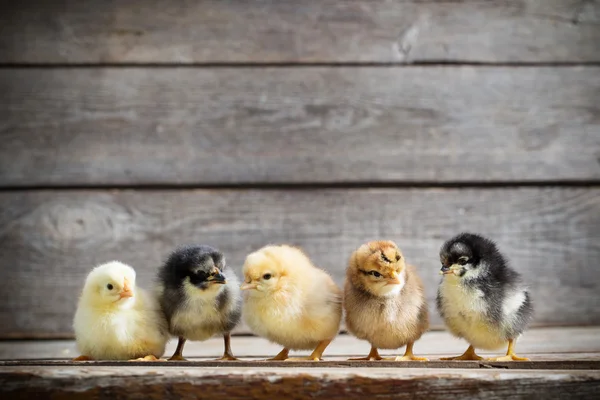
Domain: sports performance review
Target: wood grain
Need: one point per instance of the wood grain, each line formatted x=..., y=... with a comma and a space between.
x=293, y=383
x=49, y=240
x=326, y=31
x=115, y=126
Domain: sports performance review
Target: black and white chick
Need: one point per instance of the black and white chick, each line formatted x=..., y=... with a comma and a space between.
x=199, y=296
x=481, y=298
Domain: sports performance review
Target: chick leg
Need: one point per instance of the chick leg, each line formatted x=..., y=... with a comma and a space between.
x=510, y=354
x=227, y=355
x=316, y=354
x=408, y=355
x=83, y=358
x=373, y=356
x=178, y=356
x=283, y=355
x=469, y=354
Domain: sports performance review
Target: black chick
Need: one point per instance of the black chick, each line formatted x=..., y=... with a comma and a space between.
x=199, y=297
x=481, y=298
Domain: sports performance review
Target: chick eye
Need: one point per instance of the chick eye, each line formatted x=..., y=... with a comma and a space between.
x=384, y=258
x=109, y=286
x=463, y=261
x=267, y=277
x=375, y=274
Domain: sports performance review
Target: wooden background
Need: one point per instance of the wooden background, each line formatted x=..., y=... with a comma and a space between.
x=127, y=128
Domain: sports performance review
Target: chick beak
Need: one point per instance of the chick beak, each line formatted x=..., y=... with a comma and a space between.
x=393, y=279
x=217, y=278
x=126, y=291
x=248, y=286
x=447, y=270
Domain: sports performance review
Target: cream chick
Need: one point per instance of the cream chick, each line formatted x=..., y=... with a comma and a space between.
x=115, y=320
x=289, y=301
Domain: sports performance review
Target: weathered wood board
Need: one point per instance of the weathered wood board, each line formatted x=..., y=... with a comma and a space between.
x=131, y=126
x=293, y=383
x=325, y=31
x=550, y=345
x=50, y=239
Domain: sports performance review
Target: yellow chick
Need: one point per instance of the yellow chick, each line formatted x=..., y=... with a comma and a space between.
x=115, y=320
x=384, y=300
x=289, y=301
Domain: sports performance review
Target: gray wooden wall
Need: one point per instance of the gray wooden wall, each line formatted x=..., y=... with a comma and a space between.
x=127, y=128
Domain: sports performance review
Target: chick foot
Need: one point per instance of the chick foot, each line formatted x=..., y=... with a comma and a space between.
x=508, y=357
x=83, y=358
x=316, y=354
x=309, y=358
x=283, y=355
x=178, y=355
x=373, y=356
x=469, y=354
x=147, y=358
x=408, y=355
x=510, y=354
x=227, y=355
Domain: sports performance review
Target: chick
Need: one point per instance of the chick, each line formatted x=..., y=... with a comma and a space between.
x=115, y=320
x=481, y=298
x=199, y=296
x=289, y=301
x=384, y=300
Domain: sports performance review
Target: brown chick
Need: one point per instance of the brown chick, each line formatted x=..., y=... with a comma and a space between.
x=384, y=300
x=289, y=301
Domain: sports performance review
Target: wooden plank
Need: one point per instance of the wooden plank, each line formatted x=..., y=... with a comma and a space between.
x=540, y=344
x=50, y=239
x=335, y=31
x=566, y=362
x=115, y=126
x=295, y=383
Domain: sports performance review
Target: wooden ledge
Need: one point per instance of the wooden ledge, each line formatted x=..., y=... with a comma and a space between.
x=267, y=383
x=573, y=364
x=565, y=364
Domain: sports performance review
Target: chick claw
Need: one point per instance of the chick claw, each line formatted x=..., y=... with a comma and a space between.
x=147, y=358
x=510, y=354
x=373, y=356
x=510, y=357
x=177, y=357
x=316, y=354
x=408, y=358
x=408, y=355
x=227, y=357
x=468, y=355
x=309, y=358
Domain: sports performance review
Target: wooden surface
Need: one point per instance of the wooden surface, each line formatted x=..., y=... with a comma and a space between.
x=298, y=383
x=51, y=239
x=558, y=370
x=542, y=345
x=565, y=364
x=132, y=126
x=326, y=31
